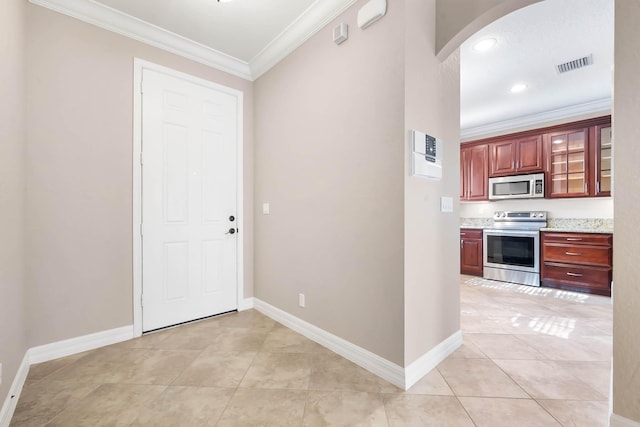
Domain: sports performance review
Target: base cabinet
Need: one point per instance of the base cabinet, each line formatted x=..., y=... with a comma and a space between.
x=577, y=261
x=471, y=251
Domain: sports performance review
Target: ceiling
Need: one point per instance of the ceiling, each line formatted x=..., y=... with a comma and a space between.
x=248, y=37
x=530, y=43
x=241, y=28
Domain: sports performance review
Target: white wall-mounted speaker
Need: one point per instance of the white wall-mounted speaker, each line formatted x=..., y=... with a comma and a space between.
x=371, y=12
x=341, y=33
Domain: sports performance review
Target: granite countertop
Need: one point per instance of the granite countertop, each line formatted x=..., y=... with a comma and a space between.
x=583, y=225
x=476, y=222
x=572, y=225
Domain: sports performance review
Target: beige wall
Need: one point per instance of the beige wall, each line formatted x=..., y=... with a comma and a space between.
x=626, y=246
x=330, y=161
x=432, y=105
x=79, y=173
x=12, y=331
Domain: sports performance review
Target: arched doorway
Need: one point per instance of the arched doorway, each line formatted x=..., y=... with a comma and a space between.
x=453, y=27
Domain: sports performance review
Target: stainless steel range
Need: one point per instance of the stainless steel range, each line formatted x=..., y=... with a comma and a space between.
x=511, y=248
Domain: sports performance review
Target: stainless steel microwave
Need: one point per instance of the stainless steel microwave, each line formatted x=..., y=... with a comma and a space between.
x=517, y=187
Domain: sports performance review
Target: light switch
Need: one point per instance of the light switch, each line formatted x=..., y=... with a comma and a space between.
x=446, y=204
x=265, y=208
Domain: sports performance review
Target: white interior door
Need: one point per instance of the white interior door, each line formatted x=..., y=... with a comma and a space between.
x=189, y=138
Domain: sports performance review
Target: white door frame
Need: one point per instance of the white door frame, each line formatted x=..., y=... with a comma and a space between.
x=138, y=66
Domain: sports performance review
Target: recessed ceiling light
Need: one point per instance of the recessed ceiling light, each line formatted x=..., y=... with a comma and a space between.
x=485, y=44
x=519, y=87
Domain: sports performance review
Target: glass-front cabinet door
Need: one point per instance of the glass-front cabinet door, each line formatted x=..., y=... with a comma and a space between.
x=603, y=160
x=568, y=163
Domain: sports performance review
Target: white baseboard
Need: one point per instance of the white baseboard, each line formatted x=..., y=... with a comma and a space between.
x=11, y=401
x=425, y=363
x=395, y=374
x=620, y=421
x=358, y=355
x=245, y=304
x=44, y=353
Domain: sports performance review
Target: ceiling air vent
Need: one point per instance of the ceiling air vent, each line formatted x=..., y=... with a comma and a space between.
x=575, y=64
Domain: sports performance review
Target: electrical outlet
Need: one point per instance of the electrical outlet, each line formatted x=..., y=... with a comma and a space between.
x=265, y=209
x=301, y=300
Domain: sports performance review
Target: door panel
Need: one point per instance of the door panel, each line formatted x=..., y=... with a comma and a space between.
x=189, y=189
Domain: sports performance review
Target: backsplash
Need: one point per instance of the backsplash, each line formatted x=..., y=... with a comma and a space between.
x=556, y=208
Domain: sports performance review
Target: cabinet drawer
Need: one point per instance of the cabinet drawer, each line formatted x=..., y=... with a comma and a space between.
x=577, y=254
x=577, y=238
x=583, y=276
x=471, y=233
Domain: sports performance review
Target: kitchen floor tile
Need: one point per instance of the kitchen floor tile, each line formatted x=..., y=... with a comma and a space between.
x=419, y=410
x=503, y=346
x=252, y=407
x=529, y=354
x=344, y=408
x=491, y=412
x=478, y=377
x=573, y=413
x=279, y=370
x=184, y=406
x=544, y=379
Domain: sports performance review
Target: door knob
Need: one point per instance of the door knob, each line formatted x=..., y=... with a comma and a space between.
x=231, y=231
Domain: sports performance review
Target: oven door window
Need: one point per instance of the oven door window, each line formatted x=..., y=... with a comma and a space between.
x=511, y=250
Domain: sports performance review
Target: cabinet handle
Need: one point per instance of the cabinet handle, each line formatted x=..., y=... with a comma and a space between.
x=573, y=274
x=574, y=239
x=573, y=253
x=461, y=243
x=463, y=234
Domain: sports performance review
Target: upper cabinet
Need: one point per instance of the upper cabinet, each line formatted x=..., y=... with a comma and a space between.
x=474, y=178
x=576, y=159
x=567, y=163
x=516, y=156
x=602, y=154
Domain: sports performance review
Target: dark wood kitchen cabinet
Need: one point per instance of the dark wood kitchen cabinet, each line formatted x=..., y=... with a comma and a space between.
x=602, y=155
x=575, y=157
x=568, y=163
x=577, y=261
x=471, y=251
x=474, y=169
x=518, y=156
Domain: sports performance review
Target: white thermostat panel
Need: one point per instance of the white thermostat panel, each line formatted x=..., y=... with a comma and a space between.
x=426, y=155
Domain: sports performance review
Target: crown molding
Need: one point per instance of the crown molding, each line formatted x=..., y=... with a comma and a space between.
x=113, y=20
x=312, y=20
x=536, y=119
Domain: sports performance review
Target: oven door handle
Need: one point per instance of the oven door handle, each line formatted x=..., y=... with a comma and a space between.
x=517, y=233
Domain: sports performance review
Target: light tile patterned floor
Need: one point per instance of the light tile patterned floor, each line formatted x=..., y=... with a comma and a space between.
x=532, y=357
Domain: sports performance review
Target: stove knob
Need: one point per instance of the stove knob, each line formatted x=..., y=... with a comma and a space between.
x=503, y=214
x=533, y=215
